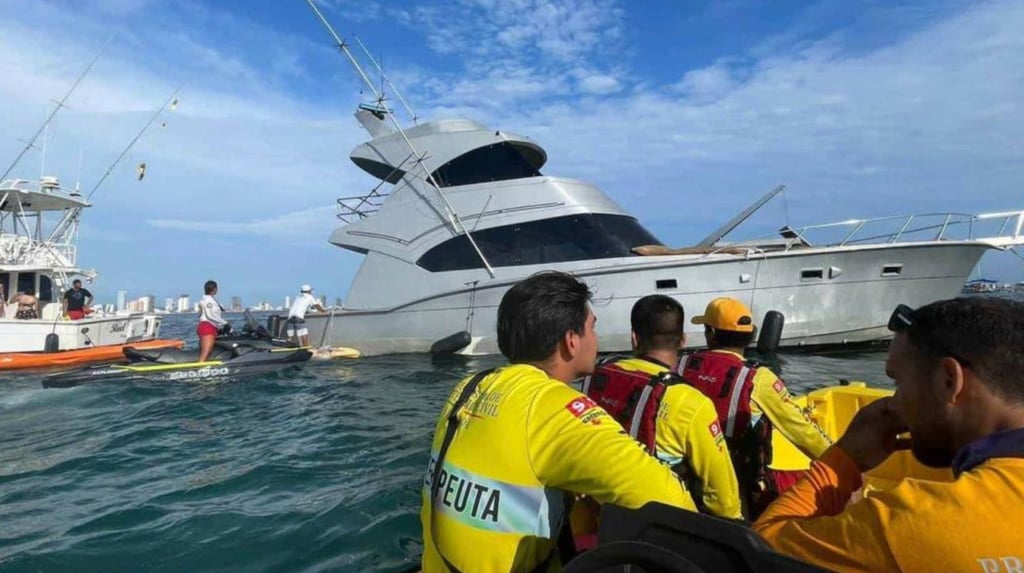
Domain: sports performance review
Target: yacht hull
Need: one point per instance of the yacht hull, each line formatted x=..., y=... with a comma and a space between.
x=829, y=296
x=30, y=335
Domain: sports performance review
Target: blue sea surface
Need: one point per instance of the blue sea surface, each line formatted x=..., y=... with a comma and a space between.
x=316, y=469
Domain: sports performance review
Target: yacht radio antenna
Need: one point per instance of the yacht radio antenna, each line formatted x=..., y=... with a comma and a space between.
x=387, y=80
x=453, y=217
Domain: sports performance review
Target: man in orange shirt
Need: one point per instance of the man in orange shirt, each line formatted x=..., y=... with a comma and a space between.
x=958, y=366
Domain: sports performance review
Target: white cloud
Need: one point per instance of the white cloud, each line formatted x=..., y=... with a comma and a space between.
x=235, y=134
x=294, y=227
x=599, y=84
x=707, y=84
x=925, y=120
x=357, y=11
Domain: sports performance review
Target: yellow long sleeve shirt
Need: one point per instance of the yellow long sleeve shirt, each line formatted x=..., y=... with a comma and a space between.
x=523, y=440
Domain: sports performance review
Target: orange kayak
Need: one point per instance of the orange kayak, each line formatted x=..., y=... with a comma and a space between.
x=111, y=353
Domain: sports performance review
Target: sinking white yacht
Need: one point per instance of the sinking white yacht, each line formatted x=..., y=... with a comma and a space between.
x=463, y=211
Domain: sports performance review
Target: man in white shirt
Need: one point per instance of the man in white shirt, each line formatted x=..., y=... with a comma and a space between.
x=297, y=315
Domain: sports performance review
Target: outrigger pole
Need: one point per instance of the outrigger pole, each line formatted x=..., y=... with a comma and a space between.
x=453, y=217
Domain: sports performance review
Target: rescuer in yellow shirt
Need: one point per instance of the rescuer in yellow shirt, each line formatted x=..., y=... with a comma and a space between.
x=674, y=420
x=751, y=402
x=516, y=442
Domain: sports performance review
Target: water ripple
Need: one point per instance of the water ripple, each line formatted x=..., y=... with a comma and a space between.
x=316, y=470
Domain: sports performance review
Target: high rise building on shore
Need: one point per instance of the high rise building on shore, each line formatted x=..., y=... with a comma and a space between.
x=183, y=305
x=122, y=300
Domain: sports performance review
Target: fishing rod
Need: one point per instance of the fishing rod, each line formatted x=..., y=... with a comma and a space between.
x=171, y=101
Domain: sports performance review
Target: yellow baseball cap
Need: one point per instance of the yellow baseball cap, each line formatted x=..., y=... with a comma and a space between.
x=726, y=313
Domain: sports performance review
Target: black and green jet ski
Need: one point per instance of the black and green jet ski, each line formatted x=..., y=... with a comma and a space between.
x=228, y=359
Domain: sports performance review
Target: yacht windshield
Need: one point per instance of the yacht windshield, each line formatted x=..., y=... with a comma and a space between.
x=556, y=240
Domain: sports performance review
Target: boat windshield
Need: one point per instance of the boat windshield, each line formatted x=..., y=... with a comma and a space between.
x=555, y=240
x=498, y=162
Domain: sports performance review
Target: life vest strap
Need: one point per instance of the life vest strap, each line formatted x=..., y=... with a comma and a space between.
x=734, y=400
x=449, y=435
x=564, y=539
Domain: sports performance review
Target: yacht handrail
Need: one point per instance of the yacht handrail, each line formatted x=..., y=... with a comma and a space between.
x=942, y=224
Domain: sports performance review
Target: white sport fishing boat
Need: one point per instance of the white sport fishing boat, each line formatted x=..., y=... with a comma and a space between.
x=38, y=255
x=39, y=223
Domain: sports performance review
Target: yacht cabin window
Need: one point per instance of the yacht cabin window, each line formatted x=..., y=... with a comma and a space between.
x=45, y=288
x=26, y=283
x=498, y=162
x=555, y=240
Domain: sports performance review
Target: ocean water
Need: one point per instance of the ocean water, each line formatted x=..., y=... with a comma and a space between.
x=317, y=469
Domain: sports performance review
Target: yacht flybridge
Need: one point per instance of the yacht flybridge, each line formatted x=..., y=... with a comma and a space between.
x=463, y=211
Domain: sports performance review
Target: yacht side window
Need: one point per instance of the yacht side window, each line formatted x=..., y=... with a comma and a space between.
x=811, y=274
x=498, y=162
x=555, y=240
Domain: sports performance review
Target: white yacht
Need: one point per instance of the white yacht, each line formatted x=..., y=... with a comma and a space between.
x=423, y=279
x=463, y=211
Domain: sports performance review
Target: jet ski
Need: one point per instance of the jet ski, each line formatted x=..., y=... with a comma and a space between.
x=229, y=358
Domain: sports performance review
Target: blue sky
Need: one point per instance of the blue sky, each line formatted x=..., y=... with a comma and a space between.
x=683, y=112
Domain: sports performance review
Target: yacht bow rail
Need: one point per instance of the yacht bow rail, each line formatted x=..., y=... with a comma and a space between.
x=1000, y=229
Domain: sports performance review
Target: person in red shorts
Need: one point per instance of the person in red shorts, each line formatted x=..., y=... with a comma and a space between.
x=77, y=301
x=210, y=320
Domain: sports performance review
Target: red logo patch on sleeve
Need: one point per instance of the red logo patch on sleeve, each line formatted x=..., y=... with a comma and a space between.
x=579, y=406
x=715, y=429
x=779, y=386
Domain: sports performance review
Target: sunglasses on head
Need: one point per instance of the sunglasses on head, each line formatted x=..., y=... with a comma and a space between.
x=902, y=320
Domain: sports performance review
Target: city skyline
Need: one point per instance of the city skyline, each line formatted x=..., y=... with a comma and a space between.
x=185, y=303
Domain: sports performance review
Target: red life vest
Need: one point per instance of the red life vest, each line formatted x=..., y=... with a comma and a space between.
x=631, y=397
x=729, y=381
